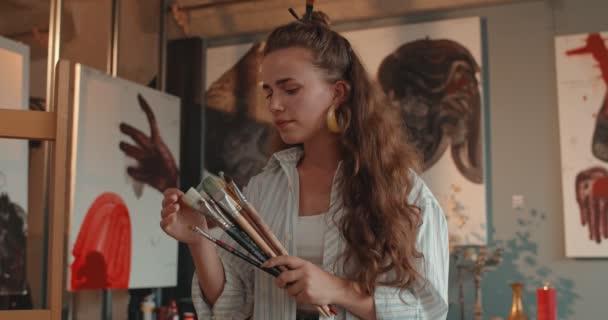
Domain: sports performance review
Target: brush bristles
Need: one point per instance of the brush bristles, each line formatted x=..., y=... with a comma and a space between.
x=213, y=188
x=199, y=188
x=192, y=198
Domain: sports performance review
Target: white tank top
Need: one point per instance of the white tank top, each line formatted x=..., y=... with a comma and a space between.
x=309, y=236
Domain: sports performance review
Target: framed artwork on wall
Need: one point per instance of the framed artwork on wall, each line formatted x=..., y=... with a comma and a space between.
x=582, y=78
x=432, y=72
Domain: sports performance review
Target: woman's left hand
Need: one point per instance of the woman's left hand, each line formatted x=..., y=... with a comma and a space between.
x=306, y=282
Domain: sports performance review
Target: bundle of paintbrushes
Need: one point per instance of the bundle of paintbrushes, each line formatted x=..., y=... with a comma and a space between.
x=223, y=202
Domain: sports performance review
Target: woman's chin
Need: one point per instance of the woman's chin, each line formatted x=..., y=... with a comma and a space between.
x=290, y=138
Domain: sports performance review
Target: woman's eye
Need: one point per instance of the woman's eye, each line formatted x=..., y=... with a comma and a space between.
x=268, y=96
x=292, y=91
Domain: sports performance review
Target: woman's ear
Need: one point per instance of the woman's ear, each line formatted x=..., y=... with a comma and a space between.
x=341, y=92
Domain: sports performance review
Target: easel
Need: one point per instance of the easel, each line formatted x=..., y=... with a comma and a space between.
x=53, y=126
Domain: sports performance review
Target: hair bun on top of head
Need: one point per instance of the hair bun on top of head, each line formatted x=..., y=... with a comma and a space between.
x=319, y=17
x=316, y=17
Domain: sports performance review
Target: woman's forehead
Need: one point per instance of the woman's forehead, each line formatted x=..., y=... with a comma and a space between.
x=285, y=61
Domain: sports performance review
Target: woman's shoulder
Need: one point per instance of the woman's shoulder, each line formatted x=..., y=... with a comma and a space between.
x=264, y=177
x=272, y=170
x=420, y=195
x=271, y=175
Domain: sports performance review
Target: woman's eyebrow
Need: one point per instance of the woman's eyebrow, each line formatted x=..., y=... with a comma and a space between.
x=278, y=82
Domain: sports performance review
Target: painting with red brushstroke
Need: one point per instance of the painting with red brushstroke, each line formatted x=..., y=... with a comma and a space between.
x=126, y=154
x=582, y=76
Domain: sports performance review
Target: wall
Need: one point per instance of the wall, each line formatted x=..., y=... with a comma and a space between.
x=525, y=159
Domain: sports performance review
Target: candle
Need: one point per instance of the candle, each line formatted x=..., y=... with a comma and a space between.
x=546, y=303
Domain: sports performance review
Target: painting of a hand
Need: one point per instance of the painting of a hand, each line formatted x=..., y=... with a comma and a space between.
x=592, y=197
x=156, y=165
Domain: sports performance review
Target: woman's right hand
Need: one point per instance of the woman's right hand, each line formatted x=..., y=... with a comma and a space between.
x=177, y=217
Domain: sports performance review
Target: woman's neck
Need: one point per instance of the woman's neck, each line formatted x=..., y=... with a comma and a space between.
x=322, y=153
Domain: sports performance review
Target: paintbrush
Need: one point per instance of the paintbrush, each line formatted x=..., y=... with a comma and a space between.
x=221, y=197
x=238, y=198
x=257, y=221
x=230, y=220
x=309, y=9
x=273, y=272
x=198, y=203
x=217, y=193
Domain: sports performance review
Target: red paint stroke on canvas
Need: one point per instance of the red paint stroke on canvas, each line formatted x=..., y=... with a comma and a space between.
x=600, y=187
x=596, y=46
x=102, y=252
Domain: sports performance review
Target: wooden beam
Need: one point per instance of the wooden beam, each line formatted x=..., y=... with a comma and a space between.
x=25, y=124
x=246, y=17
x=60, y=177
x=25, y=315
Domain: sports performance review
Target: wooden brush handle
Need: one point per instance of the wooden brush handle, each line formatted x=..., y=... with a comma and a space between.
x=257, y=220
x=242, y=222
x=261, y=232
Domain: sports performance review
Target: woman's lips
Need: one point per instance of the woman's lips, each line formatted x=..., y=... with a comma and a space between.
x=281, y=124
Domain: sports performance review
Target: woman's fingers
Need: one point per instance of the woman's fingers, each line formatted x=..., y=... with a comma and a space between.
x=170, y=209
x=287, y=277
x=173, y=198
x=167, y=222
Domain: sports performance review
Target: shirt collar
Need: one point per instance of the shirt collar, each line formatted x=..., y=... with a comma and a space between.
x=290, y=156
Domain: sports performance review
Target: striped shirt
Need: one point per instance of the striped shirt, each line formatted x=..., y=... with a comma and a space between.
x=251, y=293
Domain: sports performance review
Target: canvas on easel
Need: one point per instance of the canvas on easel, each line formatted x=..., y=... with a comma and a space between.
x=126, y=152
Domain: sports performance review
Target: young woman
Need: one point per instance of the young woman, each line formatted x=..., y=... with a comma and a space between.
x=364, y=233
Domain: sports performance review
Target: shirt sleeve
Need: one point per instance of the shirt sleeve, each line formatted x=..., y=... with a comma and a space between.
x=236, y=300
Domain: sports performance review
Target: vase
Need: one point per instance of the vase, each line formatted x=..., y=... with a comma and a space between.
x=517, y=306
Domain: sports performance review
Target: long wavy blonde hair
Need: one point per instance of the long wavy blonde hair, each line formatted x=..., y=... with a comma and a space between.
x=379, y=226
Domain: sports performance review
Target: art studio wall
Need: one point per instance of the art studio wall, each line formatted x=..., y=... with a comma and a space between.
x=525, y=158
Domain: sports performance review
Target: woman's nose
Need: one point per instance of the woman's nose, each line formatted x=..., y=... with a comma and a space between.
x=275, y=105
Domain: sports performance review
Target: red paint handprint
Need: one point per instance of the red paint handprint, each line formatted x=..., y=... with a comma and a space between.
x=156, y=165
x=592, y=197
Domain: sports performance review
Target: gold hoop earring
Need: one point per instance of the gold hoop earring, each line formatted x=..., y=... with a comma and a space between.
x=332, y=122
